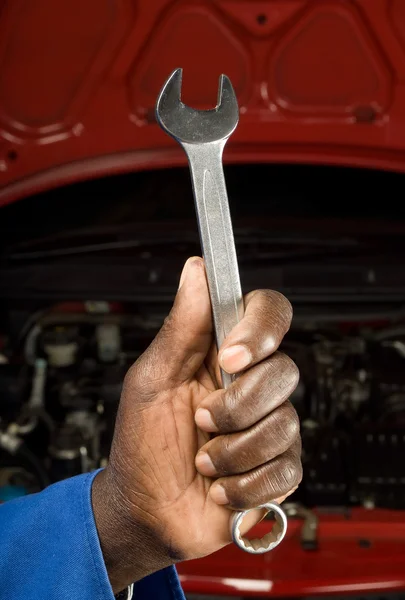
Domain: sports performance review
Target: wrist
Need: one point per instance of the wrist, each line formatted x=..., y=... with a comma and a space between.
x=130, y=546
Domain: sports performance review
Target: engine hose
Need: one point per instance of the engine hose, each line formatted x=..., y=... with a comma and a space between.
x=16, y=448
x=42, y=476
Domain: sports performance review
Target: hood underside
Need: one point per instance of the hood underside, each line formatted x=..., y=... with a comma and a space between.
x=317, y=82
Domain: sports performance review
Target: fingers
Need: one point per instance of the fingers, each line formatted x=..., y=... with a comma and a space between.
x=257, y=454
x=236, y=453
x=271, y=481
x=267, y=319
x=250, y=398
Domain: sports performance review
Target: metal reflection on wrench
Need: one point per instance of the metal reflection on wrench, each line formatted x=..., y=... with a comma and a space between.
x=203, y=135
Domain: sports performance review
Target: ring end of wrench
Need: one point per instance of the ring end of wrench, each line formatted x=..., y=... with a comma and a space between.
x=268, y=542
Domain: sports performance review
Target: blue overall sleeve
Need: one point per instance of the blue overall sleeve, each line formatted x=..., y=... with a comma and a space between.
x=49, y=549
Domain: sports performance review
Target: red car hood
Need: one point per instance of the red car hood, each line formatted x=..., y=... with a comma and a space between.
x=358, y=552
x=318, y=81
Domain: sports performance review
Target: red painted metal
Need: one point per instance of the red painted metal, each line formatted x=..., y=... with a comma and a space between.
x=362, y=553
x=320, y=81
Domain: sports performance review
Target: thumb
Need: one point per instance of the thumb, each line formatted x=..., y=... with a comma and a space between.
x=180, y=347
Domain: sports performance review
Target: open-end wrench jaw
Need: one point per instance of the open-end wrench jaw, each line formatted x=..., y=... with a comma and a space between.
x=191, y=126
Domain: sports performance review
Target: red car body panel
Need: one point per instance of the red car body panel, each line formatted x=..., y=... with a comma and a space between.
x=319, y=81
x=363, y=551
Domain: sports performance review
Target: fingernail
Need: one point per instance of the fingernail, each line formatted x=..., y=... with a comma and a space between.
x=218, y=494
x=204, y=464
x=204, y=420
x=235, y=359
x=184, y=273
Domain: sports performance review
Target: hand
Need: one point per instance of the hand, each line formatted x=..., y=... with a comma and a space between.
x=167, y=490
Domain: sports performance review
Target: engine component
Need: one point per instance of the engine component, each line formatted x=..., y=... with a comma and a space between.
x=67, y=453
x=20, y=453
x=326, y=463
x=11, y=492
x=108, y=342
x=61, y=346
x=378, y=472
x=14, y=482
x=59, y=401
x=309, y=531
x=15, y=383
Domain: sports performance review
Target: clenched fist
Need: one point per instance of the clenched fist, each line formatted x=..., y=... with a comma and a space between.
x=185, y=451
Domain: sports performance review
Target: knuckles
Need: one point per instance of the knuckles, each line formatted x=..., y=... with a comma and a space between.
x=289, y=473
x=274, y=307
x=229, y=415
x=270, y=482
x=288, y=369
x=256, y=393
x=271, y=437
x=287, y=423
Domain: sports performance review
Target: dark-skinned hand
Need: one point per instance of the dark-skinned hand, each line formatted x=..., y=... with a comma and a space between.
x=167, y=491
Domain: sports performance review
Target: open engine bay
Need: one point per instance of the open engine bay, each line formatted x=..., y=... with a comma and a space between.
x=61, y=376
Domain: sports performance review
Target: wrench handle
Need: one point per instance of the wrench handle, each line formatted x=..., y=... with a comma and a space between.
x=216, y=236
x=218, y=245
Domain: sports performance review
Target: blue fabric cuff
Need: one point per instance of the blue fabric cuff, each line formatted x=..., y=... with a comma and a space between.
x=50, y=549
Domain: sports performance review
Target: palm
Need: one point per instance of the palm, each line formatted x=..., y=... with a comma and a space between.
x=183, y=492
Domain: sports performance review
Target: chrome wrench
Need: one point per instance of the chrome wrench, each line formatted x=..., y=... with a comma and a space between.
x=203, y=135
